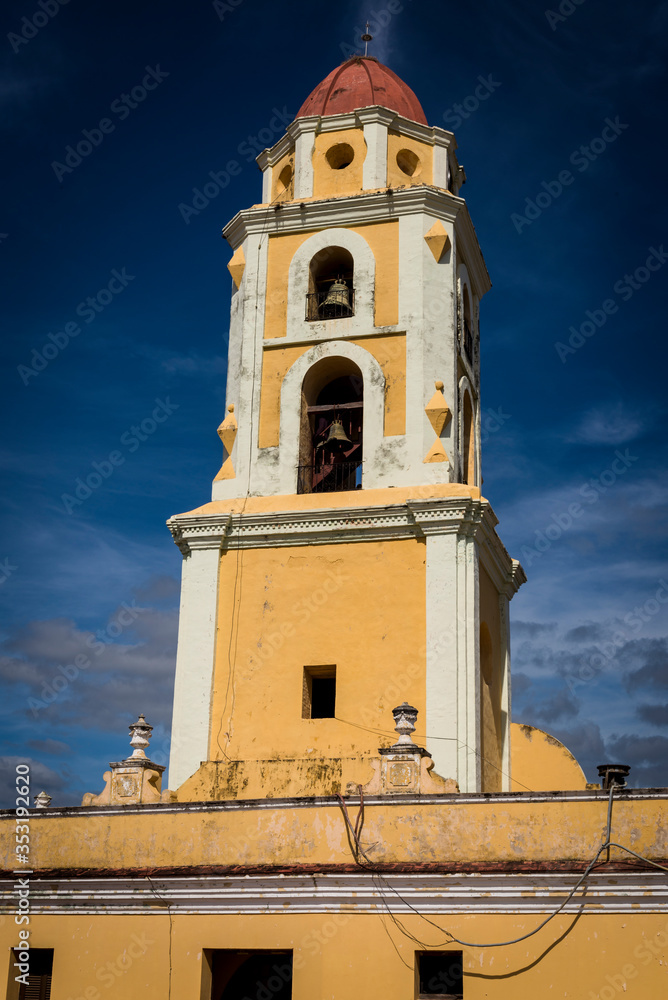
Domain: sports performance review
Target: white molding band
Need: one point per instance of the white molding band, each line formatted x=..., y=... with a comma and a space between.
x=356, y=210
x=509, y=893
x=331, y=525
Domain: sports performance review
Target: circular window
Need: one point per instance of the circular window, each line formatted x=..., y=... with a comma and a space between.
x=284, y=179
x=408, y=162
x=340, y=156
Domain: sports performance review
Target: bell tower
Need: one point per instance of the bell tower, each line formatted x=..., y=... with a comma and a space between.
x=347, y=561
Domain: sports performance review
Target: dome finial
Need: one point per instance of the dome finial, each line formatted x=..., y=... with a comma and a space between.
x=366, y=38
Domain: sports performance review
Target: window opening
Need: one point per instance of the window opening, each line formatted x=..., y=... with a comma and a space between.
x=332, y=459
x=331, y=293
x=319, y=693
x=237, y=975
x=440, y=974
x=340, y=156
x=38, y=986
x=408, y=162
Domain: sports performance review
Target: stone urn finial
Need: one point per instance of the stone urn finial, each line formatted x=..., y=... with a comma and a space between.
x=405, y=717
x=140, y=733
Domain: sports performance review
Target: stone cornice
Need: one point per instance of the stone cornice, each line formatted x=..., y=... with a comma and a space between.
x=415, y=518
x=359, y=209
x=349, y=894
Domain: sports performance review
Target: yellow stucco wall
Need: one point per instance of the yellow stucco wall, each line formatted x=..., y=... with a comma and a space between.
x=329, y=182
x=300, y=608
x=388, y=350
x=450, y=829
x=342, y=956
x=382, y=237
x=539, y=762
x=424, y=173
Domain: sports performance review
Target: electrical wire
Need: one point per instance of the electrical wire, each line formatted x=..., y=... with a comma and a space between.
x=495, y=944
x=429, y=739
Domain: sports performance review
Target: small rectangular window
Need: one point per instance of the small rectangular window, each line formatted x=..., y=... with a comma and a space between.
x=38, y=975
x=236, y=974
x=440, y=974
x=319, y=693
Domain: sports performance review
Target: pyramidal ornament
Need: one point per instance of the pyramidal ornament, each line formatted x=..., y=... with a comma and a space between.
x=439, y=414
x=227, y=433
x=237, y=266
x=437, y=240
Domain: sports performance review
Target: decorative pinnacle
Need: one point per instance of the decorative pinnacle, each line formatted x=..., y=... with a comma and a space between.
x=141, y=734
x=43, y=800
x=366, y=38
x=405, y=717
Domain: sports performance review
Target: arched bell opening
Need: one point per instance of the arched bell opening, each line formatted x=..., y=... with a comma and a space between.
x=332, y=421
x=331, y=292
x=468, y=441
x=469, y=347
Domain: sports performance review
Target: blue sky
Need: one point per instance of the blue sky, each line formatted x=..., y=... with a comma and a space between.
x=115, y=318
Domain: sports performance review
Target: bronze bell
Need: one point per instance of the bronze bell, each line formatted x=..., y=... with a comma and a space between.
x=337, y=302
x=337, y=437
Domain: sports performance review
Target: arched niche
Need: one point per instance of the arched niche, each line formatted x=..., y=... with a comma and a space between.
x=309, y=377
x=342, y=251
x=331, y=427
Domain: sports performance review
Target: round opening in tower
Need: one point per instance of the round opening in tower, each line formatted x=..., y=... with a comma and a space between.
x=340, y=156
x=409, y=163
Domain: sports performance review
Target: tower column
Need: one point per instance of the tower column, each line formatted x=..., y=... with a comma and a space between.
x=195, y=656
x=375, y=122
x=452, y=654
x=303, y=132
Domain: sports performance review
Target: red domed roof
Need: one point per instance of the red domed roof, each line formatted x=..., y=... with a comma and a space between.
x=359, y=83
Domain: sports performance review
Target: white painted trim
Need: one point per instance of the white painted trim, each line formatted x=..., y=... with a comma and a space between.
x=374, y=411
x=266, y=185
x=194, y=659
x=438, y=893
x=506, y=715
x=298, y=327
x=303, y=132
